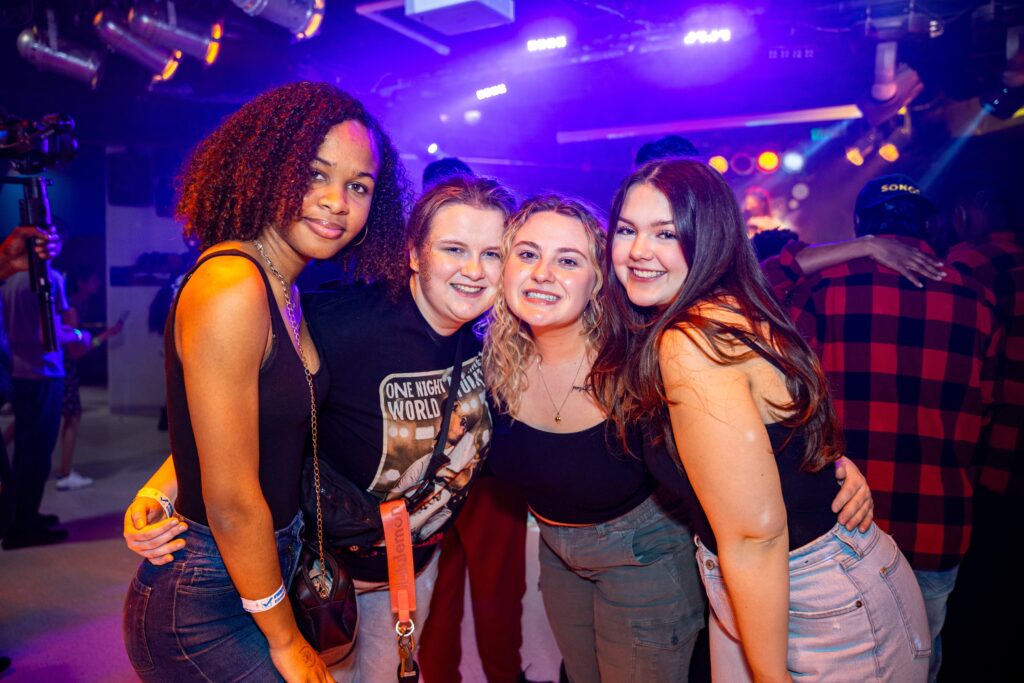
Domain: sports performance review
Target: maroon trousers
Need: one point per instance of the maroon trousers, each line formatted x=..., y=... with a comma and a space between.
x=488, y=540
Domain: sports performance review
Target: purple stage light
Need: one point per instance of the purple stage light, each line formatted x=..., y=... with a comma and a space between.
x=432, y=148
x=491, y=91
x=705, y=37
x=542, y=44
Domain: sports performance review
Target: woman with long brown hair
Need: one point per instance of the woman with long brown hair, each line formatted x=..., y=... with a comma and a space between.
x=700, y=352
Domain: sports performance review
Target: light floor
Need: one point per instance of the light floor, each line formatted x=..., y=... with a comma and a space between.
x=60, y=606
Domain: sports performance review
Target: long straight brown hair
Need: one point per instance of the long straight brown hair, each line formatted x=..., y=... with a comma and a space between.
x=724, y=272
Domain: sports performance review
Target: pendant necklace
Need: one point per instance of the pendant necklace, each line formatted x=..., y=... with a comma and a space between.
x=572, y=385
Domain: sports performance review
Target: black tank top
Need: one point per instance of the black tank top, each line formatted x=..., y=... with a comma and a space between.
x=577, y=478
x=283, y=418
x=807, y=495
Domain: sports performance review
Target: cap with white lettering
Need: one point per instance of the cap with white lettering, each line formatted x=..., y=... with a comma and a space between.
x=887, y=187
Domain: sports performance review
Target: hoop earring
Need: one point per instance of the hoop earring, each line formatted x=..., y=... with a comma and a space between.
x=362, y=239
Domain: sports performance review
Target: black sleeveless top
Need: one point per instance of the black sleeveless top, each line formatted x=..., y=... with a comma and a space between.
x=576, y=478
x=807, y=495
x=283, y=417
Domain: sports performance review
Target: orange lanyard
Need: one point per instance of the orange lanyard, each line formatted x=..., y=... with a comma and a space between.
x=401, y=581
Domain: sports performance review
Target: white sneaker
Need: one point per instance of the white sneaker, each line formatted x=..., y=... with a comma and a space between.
x=74, y=480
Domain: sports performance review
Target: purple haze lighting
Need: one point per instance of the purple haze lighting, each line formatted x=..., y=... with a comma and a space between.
x=541, y=44
x=492, y=91
x=705, y=37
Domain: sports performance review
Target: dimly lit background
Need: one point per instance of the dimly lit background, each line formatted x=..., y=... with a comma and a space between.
x=805, y=99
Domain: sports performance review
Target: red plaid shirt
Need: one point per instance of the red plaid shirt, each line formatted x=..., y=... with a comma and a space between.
x=999, y=265
x=905, y=367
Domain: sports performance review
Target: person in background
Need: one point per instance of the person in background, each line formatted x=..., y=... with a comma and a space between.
x=911, y=366
x=82, y=286
x=14, y=259
x=442, y=169
x=757, y=211
x=768, y=243
x=667, y=147
x=991, y=249
x=38, y=383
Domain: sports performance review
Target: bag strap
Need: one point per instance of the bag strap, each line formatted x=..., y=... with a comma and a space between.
x=437, y=459
x=401, y=582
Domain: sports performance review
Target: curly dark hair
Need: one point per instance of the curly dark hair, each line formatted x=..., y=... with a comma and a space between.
x=253, y=171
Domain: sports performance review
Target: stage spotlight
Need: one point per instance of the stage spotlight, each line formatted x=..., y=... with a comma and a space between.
x=742, y=164
x=704, y=36
x=801, y=191
x=176, y=35
x=158, y=61
x=472, y=116
x=542, y=44
x=719, y=163
x=859, y=151
x=432, y=148
x=793, y=161
x=889, y=151
x=491, y=91
x=73, y=62
x=768, y=162
x=302, y=17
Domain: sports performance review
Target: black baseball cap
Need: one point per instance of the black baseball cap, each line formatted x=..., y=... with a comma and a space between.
x=888, y=187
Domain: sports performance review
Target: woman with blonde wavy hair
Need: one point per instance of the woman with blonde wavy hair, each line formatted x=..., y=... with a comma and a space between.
x=618, y=578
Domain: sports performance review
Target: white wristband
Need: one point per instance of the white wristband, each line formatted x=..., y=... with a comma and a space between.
x=159, y=496
x=264, y=604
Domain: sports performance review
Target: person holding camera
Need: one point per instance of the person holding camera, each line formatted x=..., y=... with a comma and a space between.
x=33, y=381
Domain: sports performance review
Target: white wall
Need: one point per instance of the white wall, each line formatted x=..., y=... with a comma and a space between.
x=135, y=367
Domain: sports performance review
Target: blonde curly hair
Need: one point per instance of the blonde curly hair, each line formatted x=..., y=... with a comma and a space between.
x=508, y=345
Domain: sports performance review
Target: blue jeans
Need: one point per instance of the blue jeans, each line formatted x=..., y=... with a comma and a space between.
x=184, y=620
x=622, y=597
x=855, y=613
x=936, y=587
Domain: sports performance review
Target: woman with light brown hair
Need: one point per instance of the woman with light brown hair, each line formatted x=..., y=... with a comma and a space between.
x=617, y=574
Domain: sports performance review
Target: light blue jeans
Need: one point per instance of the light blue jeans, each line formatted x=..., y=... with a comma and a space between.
x=375, y=657
x=855, y=613
x=623, y=598
x=936, y=587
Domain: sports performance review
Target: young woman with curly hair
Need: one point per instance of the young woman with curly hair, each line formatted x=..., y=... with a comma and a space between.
x=297, y=174
x=617, y=574
x=389, y=346
x=700, y=352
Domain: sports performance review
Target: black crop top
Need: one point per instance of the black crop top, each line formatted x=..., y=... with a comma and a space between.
x=283, y=418
x=576, y=478
x=807, y=495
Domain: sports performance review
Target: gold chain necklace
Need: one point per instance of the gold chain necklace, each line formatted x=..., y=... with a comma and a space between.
x=572, y=385
x=293, y=322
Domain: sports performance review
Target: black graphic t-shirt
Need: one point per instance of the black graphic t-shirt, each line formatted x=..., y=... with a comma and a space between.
x=390, y=375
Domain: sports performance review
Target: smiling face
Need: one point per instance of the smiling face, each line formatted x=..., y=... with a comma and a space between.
x=646, y=255
x=337, y=203
x=549, y=276
x=456, y=271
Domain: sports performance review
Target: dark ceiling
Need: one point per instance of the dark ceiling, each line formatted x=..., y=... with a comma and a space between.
x=625, y=67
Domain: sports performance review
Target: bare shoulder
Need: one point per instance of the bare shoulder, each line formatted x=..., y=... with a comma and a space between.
x=227, y=281
x=225, y=302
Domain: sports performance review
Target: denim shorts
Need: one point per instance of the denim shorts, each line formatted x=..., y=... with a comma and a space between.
x=855, y=612
x=184, y=620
